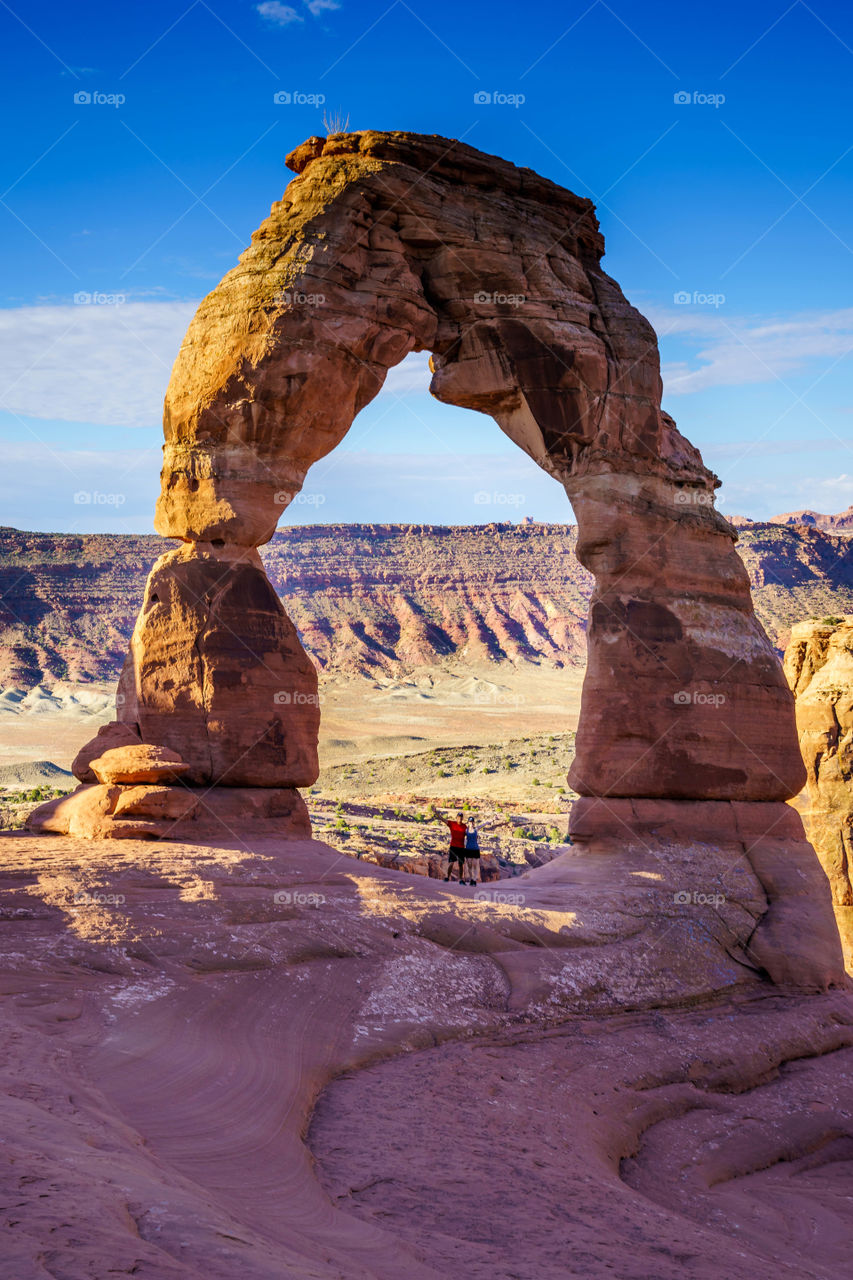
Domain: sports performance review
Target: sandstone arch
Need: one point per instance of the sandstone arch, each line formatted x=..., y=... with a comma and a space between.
x=386, y=243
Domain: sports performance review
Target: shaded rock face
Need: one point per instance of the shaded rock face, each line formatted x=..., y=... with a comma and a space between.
x=387, y=243
x=819, y=667
x=217, y=673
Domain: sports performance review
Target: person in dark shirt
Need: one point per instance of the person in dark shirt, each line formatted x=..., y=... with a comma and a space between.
x=472, y=852
x=457, y=845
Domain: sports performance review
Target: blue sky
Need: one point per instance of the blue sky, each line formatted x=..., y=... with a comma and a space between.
x=736, y=197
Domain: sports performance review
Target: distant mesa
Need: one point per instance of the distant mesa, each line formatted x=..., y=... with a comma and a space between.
x=841, y=523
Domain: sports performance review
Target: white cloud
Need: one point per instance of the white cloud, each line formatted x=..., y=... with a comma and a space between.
x=731, y=351
x=105, y=364
x=110, y=364
x=78, y=491
x=281, y=15
x=411, y=375
x=316, y=7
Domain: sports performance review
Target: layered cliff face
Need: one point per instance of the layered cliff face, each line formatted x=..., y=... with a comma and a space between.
x=376, y=599
x=819, y=667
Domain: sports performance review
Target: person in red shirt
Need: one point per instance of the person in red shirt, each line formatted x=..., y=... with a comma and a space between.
x=457, y=844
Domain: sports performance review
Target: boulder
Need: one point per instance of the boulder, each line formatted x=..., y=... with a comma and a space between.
x=80, y=814
x=109, y=736
x=227, y=814
x=87, y=814
x=156, y=802
x=139, y=763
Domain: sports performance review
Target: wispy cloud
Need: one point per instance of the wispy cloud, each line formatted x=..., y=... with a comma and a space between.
x=284, y=15
x=109, y=363
x=731, y=350
x=100, y=362
x=280, y=15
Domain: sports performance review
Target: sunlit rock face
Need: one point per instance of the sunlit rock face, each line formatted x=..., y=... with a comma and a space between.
x=819, y=667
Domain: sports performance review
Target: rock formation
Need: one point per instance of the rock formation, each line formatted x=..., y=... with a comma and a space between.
x=387, y=243
x=840, y=522
x=819, y=667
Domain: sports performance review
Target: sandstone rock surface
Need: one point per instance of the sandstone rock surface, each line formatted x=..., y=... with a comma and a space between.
x=138, y=763
x=108, y=737
x=261, y=1060
x=156, y=802
x=819, y=667
x=217, y=673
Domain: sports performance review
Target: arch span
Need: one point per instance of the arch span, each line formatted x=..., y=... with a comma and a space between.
x=386, y=243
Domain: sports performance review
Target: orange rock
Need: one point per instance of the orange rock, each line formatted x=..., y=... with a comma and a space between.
x=217, y=673
x=142, y=763
x=114, y=812
x=819, y=667
x=757, y=859
x=156, y=802
x=233, y=813
x=81, y=813
x=115, y=734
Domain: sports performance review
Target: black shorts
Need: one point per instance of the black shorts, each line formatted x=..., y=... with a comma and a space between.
x=472, y=853
x=456, y=855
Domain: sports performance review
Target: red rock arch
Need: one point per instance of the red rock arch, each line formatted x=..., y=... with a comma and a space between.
x=387, y=243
